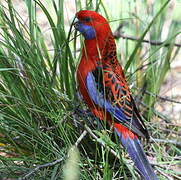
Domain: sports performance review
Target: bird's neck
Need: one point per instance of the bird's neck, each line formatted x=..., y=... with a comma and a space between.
x=100, y=47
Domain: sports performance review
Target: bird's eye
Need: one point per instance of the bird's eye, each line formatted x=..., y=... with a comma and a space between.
x=87, y=19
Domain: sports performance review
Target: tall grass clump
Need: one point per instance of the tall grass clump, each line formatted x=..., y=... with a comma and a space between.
x=40, y=110
x=33, y=95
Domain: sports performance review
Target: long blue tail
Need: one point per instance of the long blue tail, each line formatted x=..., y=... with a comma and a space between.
x=136, y=152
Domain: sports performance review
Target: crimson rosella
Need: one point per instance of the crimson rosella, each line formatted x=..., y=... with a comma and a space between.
x=103, y=87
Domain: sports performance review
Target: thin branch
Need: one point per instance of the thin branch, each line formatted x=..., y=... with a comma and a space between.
x=100, y=142
x=118, y=34
x=163, y=98
x=155, y=43
x=170, y=131
x=164, y=174
x=80, y=138
x=41, y=166
x=44, y=128
x=161, y=116
x=166, y=141
x=144, y=65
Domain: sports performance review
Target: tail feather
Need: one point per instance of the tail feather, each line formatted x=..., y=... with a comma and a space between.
x=136, y=152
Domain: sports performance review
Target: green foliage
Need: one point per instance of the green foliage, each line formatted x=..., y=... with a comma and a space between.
x=38, y=90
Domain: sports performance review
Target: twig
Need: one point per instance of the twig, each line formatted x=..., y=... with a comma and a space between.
x=170, y=131
x=41, y=166
x=80, y=138
x=164, y=174
x=159, y=115
x=100, y=142
x=141, y=67
x=166, y=141
x=163, y=98
x=44, y=128
x=155, y=43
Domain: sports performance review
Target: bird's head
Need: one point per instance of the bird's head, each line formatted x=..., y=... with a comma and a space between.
x=91, y=24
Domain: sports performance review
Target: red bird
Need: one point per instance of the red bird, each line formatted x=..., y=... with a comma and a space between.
x=103, y=87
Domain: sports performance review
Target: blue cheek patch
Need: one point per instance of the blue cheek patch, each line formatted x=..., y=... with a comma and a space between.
x=87, y=31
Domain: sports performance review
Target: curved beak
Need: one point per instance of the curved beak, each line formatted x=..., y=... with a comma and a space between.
x=76, y=24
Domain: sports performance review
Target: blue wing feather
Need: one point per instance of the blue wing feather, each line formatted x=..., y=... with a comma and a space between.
x=100, y=100
x=117, y=112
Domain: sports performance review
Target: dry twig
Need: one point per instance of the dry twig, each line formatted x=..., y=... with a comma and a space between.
x=80, y=138
x=100, y=142
x=163, y=98
x=41, y=166
x=118, y=34
x=166, y=141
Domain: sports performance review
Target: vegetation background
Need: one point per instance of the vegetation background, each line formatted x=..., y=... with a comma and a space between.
x=43, y=134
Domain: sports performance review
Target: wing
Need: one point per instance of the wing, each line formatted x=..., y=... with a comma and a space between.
x=110, y=91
